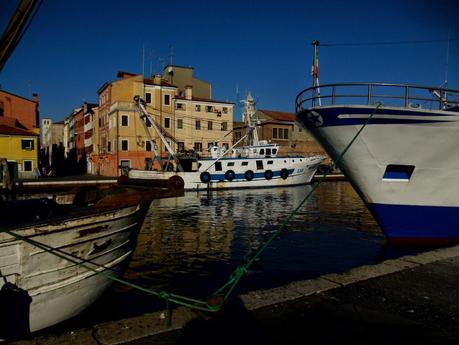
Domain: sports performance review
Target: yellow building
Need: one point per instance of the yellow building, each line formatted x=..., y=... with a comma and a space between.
x=19, y=147
x=187, y=122
x=19, y=132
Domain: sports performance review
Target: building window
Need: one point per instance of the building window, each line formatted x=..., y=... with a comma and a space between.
x=225, y=146
x=180, y=106
x=209, y=125
x=125, y=165
x=167, y=99
x=198, y=147
x=210, y=109
x=2, y=109
x=209, y=145
x=274, y=133
x=197, y=108
x=198, y=124
x=225, y=110
x=180, y=123
x=28, y=165
x=27, y=144
x=147, y=97
x=148, y=146
x=285, y=133
x=109, y=146
x=224, y=126
x=124, y=120
x=147, y=121
x=180, y=146
x=124, y=145
x=167, y=122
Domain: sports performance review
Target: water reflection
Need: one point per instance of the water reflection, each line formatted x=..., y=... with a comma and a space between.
x=190, y=245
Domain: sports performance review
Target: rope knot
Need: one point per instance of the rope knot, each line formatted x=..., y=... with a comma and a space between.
x=239, y=272
x=165, y=295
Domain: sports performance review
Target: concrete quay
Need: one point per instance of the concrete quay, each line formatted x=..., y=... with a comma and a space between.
x=410, y=300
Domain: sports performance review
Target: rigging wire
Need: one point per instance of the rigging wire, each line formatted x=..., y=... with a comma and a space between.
x=381, y=43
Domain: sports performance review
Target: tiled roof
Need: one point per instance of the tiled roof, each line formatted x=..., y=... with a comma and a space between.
x=11, y=126
x=279, y=115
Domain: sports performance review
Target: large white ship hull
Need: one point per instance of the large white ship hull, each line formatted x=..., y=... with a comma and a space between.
x=404, y=164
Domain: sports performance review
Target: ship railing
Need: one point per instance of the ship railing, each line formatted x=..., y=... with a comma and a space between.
x=397, y=95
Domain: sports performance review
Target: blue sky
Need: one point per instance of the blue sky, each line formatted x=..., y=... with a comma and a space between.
x=73, y=47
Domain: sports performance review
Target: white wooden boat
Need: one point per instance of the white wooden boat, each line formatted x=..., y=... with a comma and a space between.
x=102, y=236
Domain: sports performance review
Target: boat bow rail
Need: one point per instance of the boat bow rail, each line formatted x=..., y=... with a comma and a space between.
x=397, y=95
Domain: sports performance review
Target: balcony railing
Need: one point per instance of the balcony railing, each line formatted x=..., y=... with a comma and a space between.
x=397, y=95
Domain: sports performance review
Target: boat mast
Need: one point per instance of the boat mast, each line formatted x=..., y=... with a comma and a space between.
x=249, y=104
x=315, y=74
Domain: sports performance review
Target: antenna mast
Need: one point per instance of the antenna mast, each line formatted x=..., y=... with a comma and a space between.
x=315, y=74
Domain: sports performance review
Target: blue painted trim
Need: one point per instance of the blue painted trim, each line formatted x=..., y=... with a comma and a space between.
x=257, y=175
x=329, y=117
x=408, y=221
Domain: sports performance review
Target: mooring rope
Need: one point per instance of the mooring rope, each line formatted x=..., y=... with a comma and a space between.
x=227, y=289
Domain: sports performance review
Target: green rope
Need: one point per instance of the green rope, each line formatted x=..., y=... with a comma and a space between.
x=242, y=270
x=192, y=303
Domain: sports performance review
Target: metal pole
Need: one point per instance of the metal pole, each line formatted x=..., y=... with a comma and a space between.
x=315, y=72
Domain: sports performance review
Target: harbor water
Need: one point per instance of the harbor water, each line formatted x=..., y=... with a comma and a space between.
x=190, y=245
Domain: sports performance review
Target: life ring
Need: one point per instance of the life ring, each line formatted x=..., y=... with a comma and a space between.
x=205, y=177
x=268, y=174
x=230, y=175
x=284, y=173
x=249, y=175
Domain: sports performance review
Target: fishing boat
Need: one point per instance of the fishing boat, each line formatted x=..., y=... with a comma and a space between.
x=255, y=165
x=404, y=163
x=55, y=260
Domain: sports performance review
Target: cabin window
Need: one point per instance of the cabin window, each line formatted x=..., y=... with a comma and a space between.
x=28, y=165
x=245, y=163
x=230, y=164
x=259, y=165
x=218, y=166
x=27, y=144
x=398, y=172
x=270, y=162
x=268, y=152
x=274, y=151
x=262, y=151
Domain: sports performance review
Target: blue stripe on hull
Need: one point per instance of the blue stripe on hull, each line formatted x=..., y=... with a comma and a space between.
x=417, y=222
x=329, y=117
x=256, y=175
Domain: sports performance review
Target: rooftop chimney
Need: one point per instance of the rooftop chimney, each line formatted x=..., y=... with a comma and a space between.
x=189, y=92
